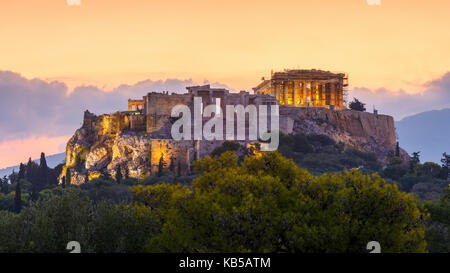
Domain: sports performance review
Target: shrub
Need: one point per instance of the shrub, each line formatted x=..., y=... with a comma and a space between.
x=268, y=204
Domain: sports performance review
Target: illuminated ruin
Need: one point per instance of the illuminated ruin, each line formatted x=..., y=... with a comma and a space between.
x=306, y=88
x=135, y=105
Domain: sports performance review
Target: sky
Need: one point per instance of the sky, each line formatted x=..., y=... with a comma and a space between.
x=57, y=60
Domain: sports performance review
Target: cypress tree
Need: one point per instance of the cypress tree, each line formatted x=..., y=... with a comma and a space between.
x=32, y=176
x=172, y=165
x=415, y=160
x=30, y=171
x=22, y=172
x=4, y=185
x=106, y=175
x=68, y=177
x=161, y=165
x=18, y=198
x=127, y=174
x=43, y=172
x=118, y=174
x=446, y=165
x=13, y=177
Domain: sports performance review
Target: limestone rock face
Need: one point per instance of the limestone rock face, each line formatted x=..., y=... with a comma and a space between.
x=362, y=130
x=97, y=158
x=104, y=144
x=108, y=142
x=130, y=151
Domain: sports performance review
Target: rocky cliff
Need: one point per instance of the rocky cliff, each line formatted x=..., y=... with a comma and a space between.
x=362, y=130
x=104, y=144
x=108, y=142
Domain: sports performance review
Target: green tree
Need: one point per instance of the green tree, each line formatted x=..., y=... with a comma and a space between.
x=22, y=172
x=268, y=204
x=118, y=174
x=68, y=215
x=172, y=165
x=121, y=228
x=446, y=165
x=31, y=171
x=4, y=185
x=42, y=180
x=396, y=168
x=438, y=226
x=68, y=179
x=11, y=232
x=161, y=165
x=32, y=175
x=428, y=169
x=397, y=149
x=127, y=173
x=226, y=146
x=357, y=105
x=54, y=222
x=18, y=198
x=415, y=160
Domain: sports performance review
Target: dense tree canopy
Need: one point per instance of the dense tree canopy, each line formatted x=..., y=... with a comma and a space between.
x=268, y=204
x=257, y=203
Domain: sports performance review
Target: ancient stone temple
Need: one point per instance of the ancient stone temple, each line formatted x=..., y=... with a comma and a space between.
x=135, y=105
x=306, y=88
x=153, y=111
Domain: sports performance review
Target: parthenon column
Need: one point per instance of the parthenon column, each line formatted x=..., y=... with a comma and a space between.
x=313, y=93
x=285, y=92
x=294, y=92
x=340, y=94
x=277, y=91
x=281, y=92
x=304, y=95
x=319, y=94
x=334, y=96
x=324, y=94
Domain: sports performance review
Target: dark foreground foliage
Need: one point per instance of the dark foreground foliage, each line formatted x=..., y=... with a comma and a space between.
x=263, y=204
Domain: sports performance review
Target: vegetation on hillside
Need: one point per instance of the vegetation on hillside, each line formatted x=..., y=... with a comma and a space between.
x=314, y=195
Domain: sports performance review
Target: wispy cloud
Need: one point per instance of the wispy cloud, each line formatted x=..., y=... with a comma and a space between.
x=435, y=95
x=37, y=109
x=40, y=108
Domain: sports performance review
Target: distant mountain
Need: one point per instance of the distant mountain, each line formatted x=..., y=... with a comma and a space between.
x=52, y=161
x=427, y=132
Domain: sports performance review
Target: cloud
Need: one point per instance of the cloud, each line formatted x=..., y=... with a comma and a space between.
x=436, y=95
x=34, y=107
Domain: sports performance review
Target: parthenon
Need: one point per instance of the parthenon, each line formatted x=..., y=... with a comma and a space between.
x=313, y=88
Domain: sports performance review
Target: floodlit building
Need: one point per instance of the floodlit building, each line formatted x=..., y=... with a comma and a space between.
x=306, y=88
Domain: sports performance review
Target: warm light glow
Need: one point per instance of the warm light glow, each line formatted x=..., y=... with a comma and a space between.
x=94, y=175
x=124, y=41
x=16, y=151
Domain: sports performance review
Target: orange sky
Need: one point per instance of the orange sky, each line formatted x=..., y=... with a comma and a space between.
x=14, y=152
x=400, y=44
x=236, y=42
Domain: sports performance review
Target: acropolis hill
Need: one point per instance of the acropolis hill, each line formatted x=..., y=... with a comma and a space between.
x=310, y=101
